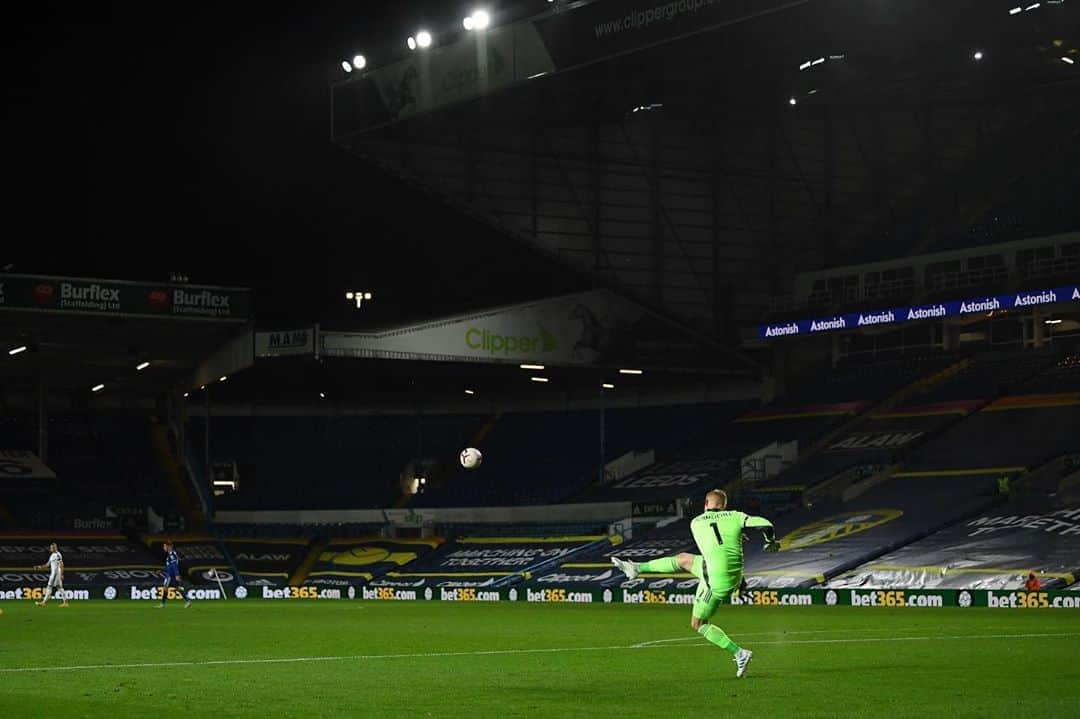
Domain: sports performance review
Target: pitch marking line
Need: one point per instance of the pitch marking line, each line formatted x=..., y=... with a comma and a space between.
x=504, y=652
x=779, y=633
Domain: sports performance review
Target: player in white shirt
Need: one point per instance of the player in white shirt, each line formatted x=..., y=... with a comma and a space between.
x=55, y=566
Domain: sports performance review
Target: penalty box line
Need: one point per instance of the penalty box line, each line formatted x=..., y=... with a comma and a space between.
x=505, y=652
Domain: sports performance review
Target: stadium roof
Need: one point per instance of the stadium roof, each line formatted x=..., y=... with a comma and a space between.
x=697, y=172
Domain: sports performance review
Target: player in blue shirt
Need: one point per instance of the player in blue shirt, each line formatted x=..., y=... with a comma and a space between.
x=172, y=575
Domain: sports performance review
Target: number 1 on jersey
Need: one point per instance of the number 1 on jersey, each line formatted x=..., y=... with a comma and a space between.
x=716, y=531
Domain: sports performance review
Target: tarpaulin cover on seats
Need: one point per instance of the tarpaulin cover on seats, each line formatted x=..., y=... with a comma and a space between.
x=594, y=567
x=262, y=562
x=353, y=561
x=91, y=559
x=825, y=540
x=990, y=551
x=481, y=561
x=668, y=480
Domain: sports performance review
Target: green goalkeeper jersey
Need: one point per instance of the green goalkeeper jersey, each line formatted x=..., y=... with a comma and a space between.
x=719, y=535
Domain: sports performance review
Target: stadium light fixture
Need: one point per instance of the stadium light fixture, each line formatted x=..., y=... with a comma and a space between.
x=358, y=297
x=186, y=394
x=539, y=379
x=223, y=377
x=141, y=366
x=977, y=55
x=322, y=395
x=804, y=66
x=470, y=392
x=477, y=21
x=1068, y=60
x=1032, y=6
x=359, y=62
x=631, y=371
x=346, y=66
x=608, y=385
x=815, y=63
x=420, y=41
x=793, y=101
x=1016, y=10
x=97, y=388
x=1054, y=322
x=17, y=350
x=533, y=367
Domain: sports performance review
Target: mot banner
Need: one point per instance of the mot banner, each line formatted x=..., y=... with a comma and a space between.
x=72, y=295
x=989, y=551
x=92, y=559
x=285, y=343
x=665, y=481
x=346, y=562
x=828, y=539
x=482, y=561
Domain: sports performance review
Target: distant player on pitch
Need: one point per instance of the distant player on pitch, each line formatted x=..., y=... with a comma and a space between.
x=719, y=568
x=55, y=566
x=172, y=575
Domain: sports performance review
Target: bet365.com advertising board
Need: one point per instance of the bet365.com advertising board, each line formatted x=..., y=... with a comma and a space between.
x=851, y=598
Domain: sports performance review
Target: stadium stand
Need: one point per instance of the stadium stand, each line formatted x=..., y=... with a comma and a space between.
x=1015, y=433
x=487, y=561
x=991, y=551
x=592, y=568
x=989, y=375
x=342, y=562
x=827, y=539
x=274, y=454
x=100, y=460
x=91, y=559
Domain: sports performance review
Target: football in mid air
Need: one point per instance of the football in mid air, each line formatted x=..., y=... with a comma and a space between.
x=471, y=458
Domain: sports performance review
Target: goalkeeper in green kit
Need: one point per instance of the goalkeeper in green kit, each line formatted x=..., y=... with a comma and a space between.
x=719, y=568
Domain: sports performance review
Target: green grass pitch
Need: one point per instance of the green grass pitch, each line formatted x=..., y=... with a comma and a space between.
x=368, y=659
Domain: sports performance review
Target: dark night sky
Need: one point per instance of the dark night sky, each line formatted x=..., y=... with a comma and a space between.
x=142, y=143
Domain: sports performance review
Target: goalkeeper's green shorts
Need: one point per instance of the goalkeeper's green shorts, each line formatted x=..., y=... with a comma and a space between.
x=709, y=598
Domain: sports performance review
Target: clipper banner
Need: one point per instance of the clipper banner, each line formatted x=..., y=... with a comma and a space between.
x=901, y=315
x=822, y=542
x=485, y=63
x=582, y=329
x=346, y=562
x=990, y=551
x=480, y=562
x=93, y=559
x=73, y=295
x=607, y=28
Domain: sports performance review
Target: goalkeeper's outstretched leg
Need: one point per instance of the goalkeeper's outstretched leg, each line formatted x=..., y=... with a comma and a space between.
x=684, y=561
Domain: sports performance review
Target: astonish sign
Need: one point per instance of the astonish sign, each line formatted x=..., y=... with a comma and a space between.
x=900, y=315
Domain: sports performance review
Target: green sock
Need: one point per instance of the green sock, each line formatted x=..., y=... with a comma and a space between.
x=716, y=635
x=664, y=565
